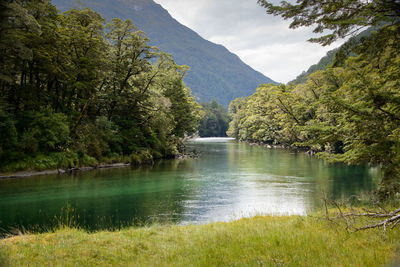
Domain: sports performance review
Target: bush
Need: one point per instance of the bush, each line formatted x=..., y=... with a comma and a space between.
x=98, y=139
x=135, y=160
x=142, y=157
x=28, y=143
x=43, y=131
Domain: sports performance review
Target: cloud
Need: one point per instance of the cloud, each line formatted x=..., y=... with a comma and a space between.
x=262, y=41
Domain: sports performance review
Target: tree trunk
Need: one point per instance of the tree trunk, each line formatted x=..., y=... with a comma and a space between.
x=390, y=184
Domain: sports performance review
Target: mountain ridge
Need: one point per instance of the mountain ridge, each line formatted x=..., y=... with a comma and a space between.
x=215, y=72
x=345, y=50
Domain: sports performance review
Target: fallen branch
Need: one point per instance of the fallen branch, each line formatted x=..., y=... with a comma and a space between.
x=391, y=221
x=372, y=219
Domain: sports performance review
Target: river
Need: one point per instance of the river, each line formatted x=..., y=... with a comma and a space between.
x=228, y=181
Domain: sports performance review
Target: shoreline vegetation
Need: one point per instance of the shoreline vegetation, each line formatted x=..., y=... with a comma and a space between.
x=261, y=241
x=121, y=162
x=138, y=160
x=27, y=173
x=306, y=150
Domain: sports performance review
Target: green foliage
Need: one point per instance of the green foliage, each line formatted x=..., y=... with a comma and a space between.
x=215, y=121
x=98, y=138
x=72, y=84
x=53, y=160
x=340, y=19
x=141, y=157
x=185, y=114
x=44, y=130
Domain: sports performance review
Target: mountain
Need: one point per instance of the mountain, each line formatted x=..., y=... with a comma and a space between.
x=322, y=64
x=215, y=73
x=341, y=53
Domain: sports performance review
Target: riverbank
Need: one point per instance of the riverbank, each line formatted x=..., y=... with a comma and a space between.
x=258, y=241
x=50, y=164
x=24, y=174
x=306, y=150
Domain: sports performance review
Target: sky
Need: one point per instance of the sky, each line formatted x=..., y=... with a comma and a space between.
x=262, y=41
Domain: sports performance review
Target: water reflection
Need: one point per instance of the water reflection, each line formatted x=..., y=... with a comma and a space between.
x=229, y=180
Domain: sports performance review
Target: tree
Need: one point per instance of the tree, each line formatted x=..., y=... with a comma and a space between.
x=236, y=114
x=339, y=18
x=215, y=121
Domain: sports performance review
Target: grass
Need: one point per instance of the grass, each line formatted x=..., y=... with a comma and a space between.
x=258, y=241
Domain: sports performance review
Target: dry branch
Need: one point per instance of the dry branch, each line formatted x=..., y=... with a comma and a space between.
x=363, y=219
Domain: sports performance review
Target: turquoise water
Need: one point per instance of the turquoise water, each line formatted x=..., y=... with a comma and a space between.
x=228, y=181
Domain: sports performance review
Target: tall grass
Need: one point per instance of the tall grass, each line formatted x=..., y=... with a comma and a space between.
x=258, y=241
x=4, y=260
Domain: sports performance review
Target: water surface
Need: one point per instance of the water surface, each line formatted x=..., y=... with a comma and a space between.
x=228, y=181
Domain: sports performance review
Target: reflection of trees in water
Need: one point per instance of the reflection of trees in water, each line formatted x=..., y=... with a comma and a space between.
x=98, y=199
x=152, y=198
x=117, y=197
x=338, y=181
x=352, y=180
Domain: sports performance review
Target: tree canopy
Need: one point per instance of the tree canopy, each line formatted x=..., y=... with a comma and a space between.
x=339, y=18
x=74, y=86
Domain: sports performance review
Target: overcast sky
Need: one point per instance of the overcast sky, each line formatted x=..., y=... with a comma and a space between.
x=262, y=41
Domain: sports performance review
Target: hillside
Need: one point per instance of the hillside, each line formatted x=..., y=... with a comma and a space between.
x=328, y=59
x=215, y=72
x=322, y=64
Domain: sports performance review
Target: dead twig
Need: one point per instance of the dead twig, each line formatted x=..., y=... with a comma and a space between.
x=363, y=219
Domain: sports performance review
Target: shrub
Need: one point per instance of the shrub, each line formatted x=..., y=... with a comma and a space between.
x=44, y=131
x=142, y=157
x=98, y=139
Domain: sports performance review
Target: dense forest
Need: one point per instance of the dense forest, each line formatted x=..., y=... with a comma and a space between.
x=74, y=90
x=215, y=120
x=349, y=112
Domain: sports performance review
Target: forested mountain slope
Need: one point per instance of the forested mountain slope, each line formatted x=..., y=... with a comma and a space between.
x=329, y=58
x=215, y=72
x=322, y=64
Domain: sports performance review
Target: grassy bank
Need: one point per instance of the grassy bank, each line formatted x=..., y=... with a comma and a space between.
x=259, y=241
